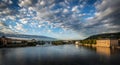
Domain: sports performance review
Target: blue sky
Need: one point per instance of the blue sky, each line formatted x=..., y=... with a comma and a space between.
x=62, y=19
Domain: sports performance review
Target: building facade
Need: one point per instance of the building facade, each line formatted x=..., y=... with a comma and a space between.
x=107, y=43
x=6, y=41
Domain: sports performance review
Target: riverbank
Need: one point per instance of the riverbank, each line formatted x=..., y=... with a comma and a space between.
x=94, y=45
x=15, y=45
x=35, y=44
x=59, y=55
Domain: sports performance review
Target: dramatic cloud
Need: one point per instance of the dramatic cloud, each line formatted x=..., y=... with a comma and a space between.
x=106, y=17
x=59, y=18
x=4, y=28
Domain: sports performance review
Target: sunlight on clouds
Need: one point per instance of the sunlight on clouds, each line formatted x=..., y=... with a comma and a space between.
x=65, y=11
x=60, y=17
x=42, y=3
x=19, y=27
x=25, y=3
x=75, y=9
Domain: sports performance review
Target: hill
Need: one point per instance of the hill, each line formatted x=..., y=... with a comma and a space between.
x=105, y=35
x=23, y=36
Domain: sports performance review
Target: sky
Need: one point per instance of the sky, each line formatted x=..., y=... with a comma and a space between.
x=62, y=19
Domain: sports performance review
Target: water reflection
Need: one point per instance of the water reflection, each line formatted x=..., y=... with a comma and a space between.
x=77, y=46
x=107, y=51
x=103, y=51
x=56, y=55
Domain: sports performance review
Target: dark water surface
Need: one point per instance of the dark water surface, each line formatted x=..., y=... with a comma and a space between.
x=59, y=55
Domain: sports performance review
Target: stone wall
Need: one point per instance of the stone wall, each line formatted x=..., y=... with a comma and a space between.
x=114, y=42
x=107, y=43
x=103, y=43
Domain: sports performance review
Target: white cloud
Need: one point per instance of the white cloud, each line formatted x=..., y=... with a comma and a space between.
x=42, y=3
x=105, y=19
x=31, y=8
x=75, y=9
x=65, y=11
x=10, y=26
x=97, y=13
x=8, y=1
x=24, y=21
x=2, y=4
x=6, y=11
x=1, y=24
x=53, y=14
x=49, y=31
x=5, y=29
x=11, y=17
x=89, y=18
x=25, y=3
x=39, y=26
x=102, y=5
x=81, y=6
x=19, y=27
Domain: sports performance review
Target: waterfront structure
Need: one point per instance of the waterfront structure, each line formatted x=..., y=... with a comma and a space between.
x=77, y=42
x=7, y=41
x=3, y=40
x=107, y=42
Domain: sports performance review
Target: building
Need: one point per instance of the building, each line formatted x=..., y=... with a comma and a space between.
x=77, y=42
x=107, y=43
x=6, y=41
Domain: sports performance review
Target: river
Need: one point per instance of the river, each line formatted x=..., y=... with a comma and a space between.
x=59, y=55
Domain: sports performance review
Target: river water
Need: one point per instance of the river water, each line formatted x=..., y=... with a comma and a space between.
x=59, y=55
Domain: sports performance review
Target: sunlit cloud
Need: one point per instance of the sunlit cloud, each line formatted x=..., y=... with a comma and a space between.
x=58, y=17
